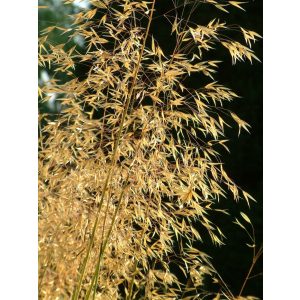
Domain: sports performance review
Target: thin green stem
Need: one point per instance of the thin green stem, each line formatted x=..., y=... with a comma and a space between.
x=255, y=259
x=116, y=143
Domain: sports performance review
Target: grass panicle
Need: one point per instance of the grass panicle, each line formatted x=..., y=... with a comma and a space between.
x=129, y=167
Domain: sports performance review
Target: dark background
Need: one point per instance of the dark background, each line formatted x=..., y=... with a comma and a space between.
x=244, y=163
